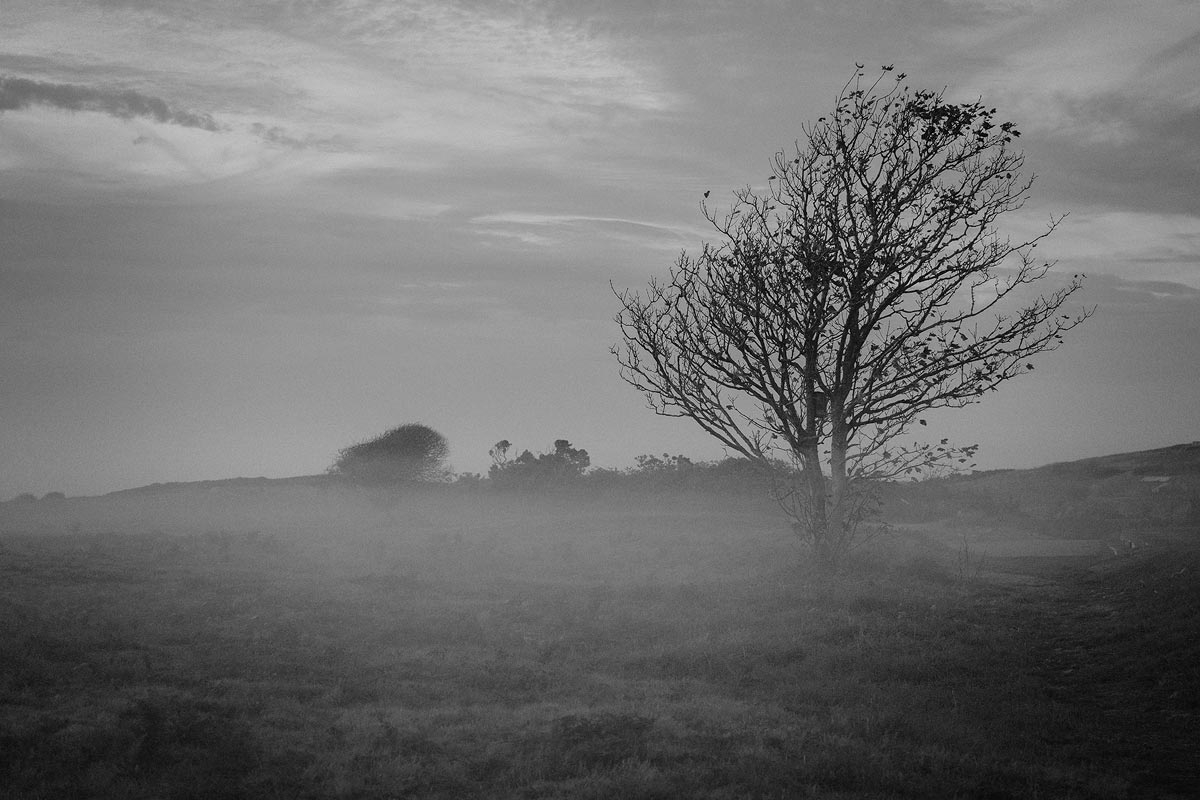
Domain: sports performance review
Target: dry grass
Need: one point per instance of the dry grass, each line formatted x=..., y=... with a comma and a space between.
x=583, y=650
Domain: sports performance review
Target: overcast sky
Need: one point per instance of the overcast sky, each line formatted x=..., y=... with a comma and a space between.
x=237, y=236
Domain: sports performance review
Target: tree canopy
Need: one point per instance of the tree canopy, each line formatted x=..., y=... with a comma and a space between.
x=866, y=284
x=408, y=453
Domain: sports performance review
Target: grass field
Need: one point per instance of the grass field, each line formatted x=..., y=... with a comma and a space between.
x=588, y=650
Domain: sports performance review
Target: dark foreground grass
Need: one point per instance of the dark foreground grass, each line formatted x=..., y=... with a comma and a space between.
x=537, y=656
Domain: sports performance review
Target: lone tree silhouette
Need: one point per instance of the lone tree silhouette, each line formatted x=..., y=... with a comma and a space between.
x=409, y=453
x=864, y=286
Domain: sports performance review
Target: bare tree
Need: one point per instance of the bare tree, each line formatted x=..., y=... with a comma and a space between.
x=865, y=286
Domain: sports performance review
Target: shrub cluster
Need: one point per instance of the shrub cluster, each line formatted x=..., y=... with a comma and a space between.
x=565, y=464
x=409, y=453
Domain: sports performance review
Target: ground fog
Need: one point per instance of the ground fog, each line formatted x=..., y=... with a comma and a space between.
x=268, y=640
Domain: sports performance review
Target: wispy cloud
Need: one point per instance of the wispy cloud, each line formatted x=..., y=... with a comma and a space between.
x=418, y=85
x=1139, y=245
x=19, y=93
x=544, y=229
x=1107, y=99
x=1158, y=290
x=277, y=135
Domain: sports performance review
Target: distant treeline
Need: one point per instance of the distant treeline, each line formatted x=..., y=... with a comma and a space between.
x=567, y=468
x=1100, y=496
x=563, y=471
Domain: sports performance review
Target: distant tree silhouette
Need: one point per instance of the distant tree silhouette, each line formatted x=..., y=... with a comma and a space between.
x=649, y=464
x=499, y=452
x=563, y=464
x=409, y=453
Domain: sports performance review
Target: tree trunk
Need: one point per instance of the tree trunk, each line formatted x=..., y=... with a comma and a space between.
x=818, y=521
x=836, y=514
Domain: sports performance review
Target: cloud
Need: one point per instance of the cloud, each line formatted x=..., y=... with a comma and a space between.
x=518, y=225
x=1158, y=290
x=304, y=92
x=1122, y=151
x=20, y=93
x=1146, y=246
x=1107, y=101
x=277, y=135
x=519, y=218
